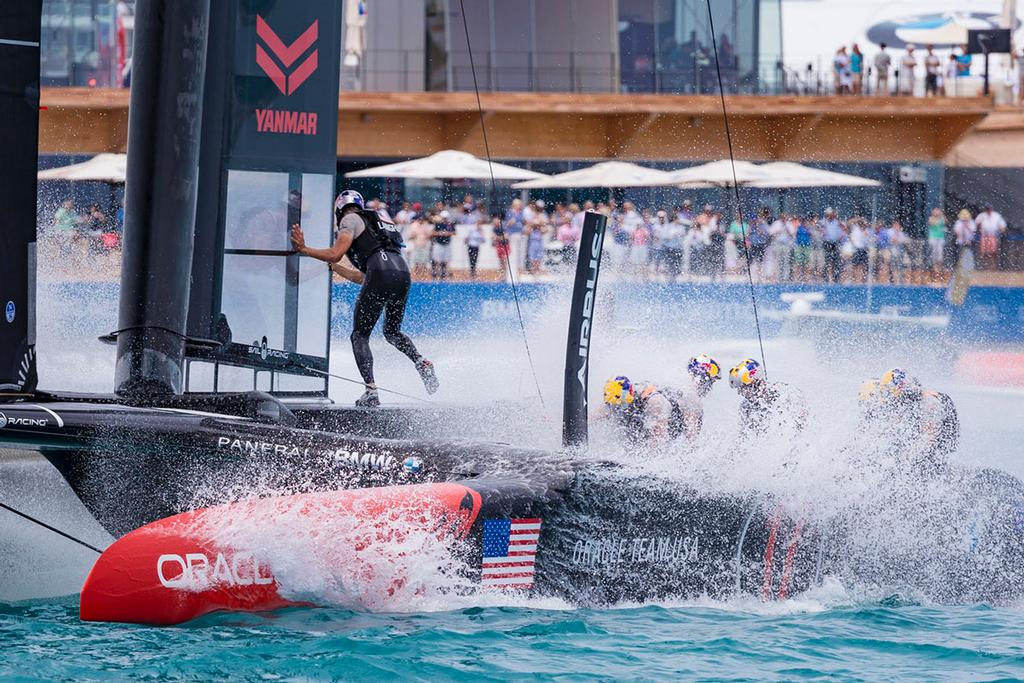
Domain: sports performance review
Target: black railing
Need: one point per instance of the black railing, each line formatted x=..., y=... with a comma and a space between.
x=596, y=72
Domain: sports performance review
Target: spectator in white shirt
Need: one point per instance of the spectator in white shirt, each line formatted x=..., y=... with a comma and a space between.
x=843, y=73
x=932, y=70
x=403, y=219
x=949, y=76
x=964, y=229
x=1020, y=76
x=898, y=241
x=883, y=62
x=783, y=234
x=475, y=238
x=907, y=76
x=859, y=244
x=991, y=226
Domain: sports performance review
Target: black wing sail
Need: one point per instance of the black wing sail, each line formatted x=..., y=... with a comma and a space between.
x=577, y=352
x=19, y=110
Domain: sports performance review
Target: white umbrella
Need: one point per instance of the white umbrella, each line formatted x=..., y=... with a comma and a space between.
x=717, y=174
x=107, y=168
x=786, y=174
x=610, y=174
x=448, y=164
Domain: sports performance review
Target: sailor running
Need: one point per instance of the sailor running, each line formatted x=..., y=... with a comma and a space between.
x=373, y=245
x=765, y=402
x=922, y=424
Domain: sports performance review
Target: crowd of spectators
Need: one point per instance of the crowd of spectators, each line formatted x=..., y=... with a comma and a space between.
x=687, y=243
x=92, y=231
x=900, y=74
x=668, y=244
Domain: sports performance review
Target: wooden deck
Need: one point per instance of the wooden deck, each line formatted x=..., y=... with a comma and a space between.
x=587, y=126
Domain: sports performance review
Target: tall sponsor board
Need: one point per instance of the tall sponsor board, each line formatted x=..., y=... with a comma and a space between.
x=285, y=106
x=270, y=145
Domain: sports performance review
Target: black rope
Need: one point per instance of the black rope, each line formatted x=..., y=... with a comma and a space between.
x=359, y=382
x=51, y=528
x=494, y=194
x=736, y=190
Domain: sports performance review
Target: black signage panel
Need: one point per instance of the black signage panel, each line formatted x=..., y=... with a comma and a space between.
x=285, y=91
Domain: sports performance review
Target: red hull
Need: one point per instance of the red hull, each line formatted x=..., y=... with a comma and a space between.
x=182, y=567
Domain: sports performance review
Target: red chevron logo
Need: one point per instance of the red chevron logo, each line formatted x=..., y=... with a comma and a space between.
x=287, y=83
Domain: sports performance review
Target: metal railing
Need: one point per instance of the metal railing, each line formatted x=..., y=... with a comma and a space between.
x=601, y=72
x=597, y=72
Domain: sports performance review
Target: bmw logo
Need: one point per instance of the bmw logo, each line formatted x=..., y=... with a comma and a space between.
x=10, y=311
x=3, y=420
x=413, y=465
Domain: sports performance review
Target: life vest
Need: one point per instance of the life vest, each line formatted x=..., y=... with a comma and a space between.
x=380, y=235
x=634, y=419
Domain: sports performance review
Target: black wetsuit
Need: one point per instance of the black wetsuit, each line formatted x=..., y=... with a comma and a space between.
x=925, y=415
x=774, y=399
x=385, y=290
x=632, y=419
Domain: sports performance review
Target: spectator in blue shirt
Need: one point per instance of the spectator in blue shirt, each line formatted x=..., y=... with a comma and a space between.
x=803, y=247
x=963, y=63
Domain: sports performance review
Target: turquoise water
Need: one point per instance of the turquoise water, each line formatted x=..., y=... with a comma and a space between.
x=880, y=641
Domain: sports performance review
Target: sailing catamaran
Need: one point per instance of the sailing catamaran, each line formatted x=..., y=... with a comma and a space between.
x=220, y=390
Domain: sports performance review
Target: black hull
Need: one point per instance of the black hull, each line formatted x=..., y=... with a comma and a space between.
x=610, y=539
x=607, y=536
x=133, y=465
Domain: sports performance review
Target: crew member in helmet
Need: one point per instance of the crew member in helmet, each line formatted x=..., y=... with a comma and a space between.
x=924, y=426
x=703, y=371
x=642, y=413
x=763, y=400
x=373, y=246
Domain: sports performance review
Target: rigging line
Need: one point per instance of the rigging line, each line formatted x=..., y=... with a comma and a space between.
x=360, y=383
x=736, y=189
x=51, y=528
x=494, y=194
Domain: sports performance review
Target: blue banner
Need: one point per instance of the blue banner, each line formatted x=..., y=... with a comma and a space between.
x=990, y=315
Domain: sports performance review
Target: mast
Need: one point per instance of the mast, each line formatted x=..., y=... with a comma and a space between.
x=164, y=117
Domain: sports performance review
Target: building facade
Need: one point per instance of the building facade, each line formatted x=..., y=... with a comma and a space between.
x=85, y=42
x=605, y=46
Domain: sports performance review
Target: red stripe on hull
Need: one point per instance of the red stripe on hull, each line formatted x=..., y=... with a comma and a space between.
x=787, y=569
x=769, y=555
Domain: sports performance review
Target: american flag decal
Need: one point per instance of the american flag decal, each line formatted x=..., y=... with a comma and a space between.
x=510, y=548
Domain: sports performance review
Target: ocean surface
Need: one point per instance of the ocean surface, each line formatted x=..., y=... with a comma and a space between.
x=834, y=633
x=884, y=641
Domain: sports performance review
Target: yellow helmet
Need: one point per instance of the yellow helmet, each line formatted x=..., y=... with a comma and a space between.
x=745, y=373
x=618, y=391
x=896, y=381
